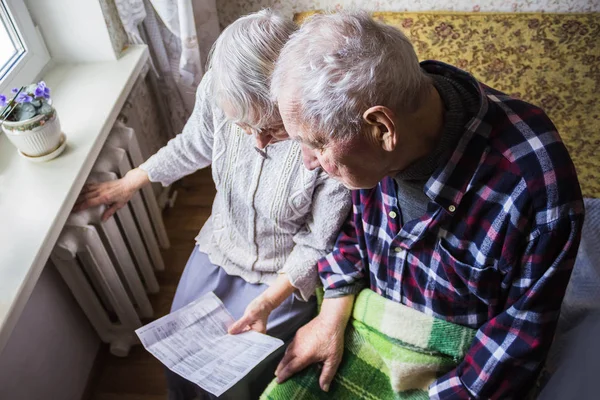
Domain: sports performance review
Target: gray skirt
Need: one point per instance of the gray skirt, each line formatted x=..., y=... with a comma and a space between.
x=200, y=277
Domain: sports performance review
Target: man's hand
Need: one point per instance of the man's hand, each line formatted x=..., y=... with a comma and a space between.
x=114, y=194
x=319, y=341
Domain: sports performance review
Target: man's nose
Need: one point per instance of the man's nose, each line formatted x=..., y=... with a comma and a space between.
x=262, y=140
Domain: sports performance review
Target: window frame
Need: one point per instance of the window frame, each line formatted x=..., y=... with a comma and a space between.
x=29, y=66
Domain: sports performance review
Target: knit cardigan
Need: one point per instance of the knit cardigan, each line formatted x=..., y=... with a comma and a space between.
x=270, y=214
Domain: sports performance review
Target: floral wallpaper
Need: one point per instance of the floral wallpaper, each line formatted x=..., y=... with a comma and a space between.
x=230, y=10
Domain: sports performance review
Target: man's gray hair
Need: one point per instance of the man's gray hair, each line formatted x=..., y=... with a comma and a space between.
x=336, y=66
x=242, y=61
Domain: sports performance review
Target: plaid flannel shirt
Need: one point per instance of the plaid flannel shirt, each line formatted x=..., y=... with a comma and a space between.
x=494, y=250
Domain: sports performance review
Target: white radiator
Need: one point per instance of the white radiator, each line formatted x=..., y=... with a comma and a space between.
x=109, y=266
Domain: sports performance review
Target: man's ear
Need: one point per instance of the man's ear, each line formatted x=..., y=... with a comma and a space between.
x=382, y=119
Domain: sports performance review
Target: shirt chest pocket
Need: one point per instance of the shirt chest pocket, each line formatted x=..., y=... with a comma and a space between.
x=464, y=282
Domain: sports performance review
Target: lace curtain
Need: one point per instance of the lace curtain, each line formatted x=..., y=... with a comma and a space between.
x=179, y=34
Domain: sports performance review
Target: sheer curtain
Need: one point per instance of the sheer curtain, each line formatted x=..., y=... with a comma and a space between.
x=179, y=34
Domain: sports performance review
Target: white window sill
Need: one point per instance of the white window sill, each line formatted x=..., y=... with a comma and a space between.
x=36, y=198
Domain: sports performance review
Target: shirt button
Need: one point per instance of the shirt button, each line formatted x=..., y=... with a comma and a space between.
x=452, y=208
x=397, y=249
x=393, y=214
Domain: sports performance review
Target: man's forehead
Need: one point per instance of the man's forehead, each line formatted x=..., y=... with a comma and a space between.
x=297, y=129
x=304, y=137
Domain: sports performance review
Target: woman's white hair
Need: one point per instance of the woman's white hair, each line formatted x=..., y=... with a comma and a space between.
x=242, y=61
x=336, y=66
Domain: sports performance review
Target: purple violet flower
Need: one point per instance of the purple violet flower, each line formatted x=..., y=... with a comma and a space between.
x=24, y=98
x=41, y=90
x=2, y=100
x=15, y=90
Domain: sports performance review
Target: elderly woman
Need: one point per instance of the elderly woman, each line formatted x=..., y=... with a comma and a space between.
x=272, y=219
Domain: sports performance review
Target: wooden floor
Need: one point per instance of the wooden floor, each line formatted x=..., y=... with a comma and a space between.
x=140, y=376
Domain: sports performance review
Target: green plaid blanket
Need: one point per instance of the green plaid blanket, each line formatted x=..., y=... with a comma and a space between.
x=391, y=352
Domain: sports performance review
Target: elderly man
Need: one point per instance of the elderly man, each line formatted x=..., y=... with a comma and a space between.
x=466, y=208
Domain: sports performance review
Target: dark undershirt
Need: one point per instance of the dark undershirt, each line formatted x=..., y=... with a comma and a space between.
x=460, y=104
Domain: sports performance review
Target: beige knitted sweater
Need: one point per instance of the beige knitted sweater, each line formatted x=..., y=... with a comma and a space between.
x=270, y=214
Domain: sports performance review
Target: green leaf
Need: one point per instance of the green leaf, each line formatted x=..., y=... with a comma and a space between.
x=24, y=112
x=45, y=108
x=37, y=103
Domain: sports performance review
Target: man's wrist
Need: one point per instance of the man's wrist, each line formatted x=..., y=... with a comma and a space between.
x=337, y=311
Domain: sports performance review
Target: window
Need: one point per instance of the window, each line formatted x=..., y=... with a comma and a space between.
x=23, y=54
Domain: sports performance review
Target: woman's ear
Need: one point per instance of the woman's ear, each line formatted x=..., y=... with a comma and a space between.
x=382, y=120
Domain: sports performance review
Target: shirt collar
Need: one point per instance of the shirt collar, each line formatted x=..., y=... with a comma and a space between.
x=450, y=181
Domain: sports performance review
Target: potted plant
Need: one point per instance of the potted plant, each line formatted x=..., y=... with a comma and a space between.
x=30, y=122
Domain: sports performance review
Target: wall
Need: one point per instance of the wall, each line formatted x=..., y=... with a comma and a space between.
x=145, y=116
x=230, y=10
x=52, y=348
x=74, y=31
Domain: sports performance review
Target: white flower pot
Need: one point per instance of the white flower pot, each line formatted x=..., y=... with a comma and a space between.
x=35, y=137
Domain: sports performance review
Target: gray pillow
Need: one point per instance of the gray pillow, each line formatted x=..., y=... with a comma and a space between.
x=583, y=292
x=577, y=374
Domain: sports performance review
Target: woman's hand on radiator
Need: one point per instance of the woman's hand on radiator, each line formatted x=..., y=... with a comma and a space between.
x=113, y=194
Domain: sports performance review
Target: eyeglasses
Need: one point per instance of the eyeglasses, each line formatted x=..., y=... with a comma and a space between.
x=249, y=128
x=271, y=130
